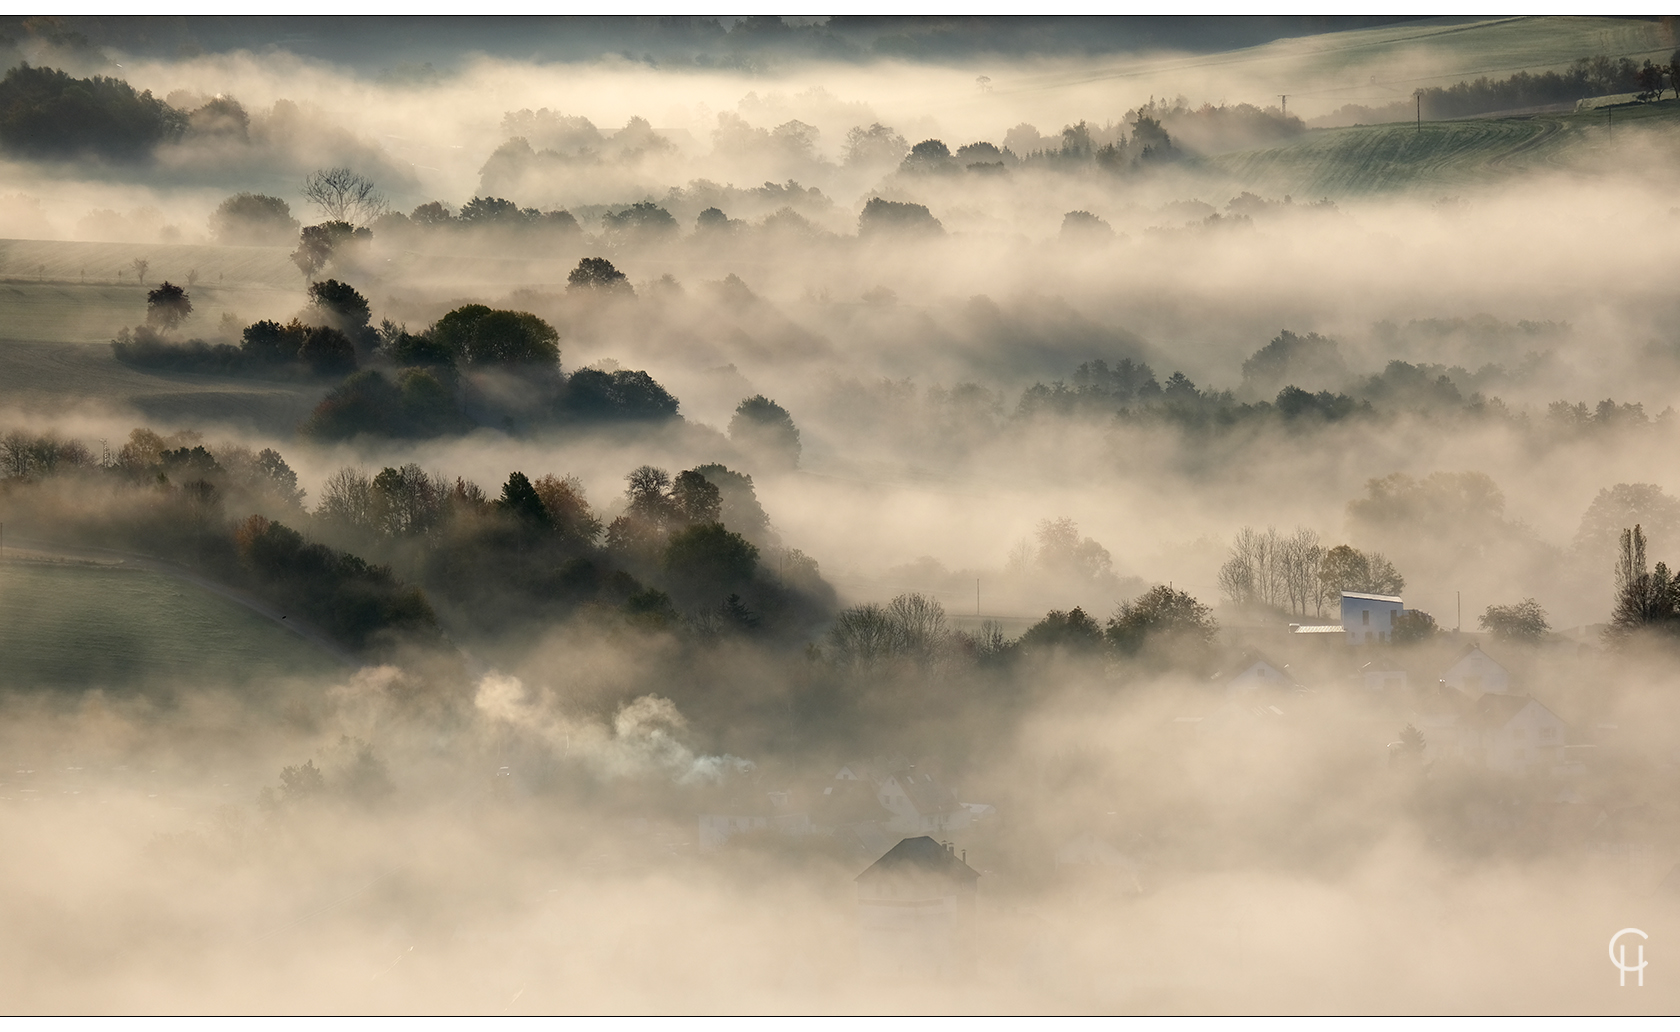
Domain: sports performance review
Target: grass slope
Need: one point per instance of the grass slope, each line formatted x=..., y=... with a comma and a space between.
x=65, y=625
x=1443, y=155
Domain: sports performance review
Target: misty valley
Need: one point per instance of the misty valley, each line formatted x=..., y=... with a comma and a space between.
x=839, y=515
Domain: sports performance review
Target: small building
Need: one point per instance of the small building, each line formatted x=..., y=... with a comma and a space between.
x=1514, y=734
x=1255, y=672
x=916, y=912
x=1518, y=735
x=1475, y=673
x=919, y=803
x=1370, y=618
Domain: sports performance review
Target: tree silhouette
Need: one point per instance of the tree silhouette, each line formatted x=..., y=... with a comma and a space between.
x=167, y=306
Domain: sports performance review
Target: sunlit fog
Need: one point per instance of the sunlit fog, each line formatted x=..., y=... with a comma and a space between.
x=829, y=516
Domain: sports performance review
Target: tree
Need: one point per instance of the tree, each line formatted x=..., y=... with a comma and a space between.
x=694, y=499
x=251, y=218
x=863, y=635
x=319, y=245
x=707, y=557
x=1523, y=622
x=1082, y=226
x=1070, y=631
x=1345, y=568
x=1062, y=552
x=481, y=335
x=875, y=145
x=1413, y=625
x=597, y=274
x=1162, y=617
x=327, y=351
x=520, y=500
x=641, y=222
x=765, y=426
x=929, y=156
x=1644, y=598
x=568, y=509
x=344, y=196
x=880, y=216
x=46, y=113
x=1625, y=505
x=140, y=265
x=1294, y=359
x=167, y=306
x=344, y=308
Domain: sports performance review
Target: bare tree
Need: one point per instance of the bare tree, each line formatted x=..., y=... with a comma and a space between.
x=139, y=265
x=344, y=196
x=1299, y=558
x=1254, y=573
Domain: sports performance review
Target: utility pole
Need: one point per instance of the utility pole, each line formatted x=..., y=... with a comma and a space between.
x=1418, y=96
x=1283, y=99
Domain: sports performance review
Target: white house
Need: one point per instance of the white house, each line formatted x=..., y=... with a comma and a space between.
x=1368, y=618
x=1518, y=735
x=1380, y=679
x=915, y=910
x=1475, y=673
x=1515, y=734
x=1258, y=672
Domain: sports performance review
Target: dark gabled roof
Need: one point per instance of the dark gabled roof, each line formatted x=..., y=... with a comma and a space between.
x=920, y=857
x=927, y=795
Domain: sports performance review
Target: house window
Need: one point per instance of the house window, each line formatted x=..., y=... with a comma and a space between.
x=1548, y=734
x=1365, y=616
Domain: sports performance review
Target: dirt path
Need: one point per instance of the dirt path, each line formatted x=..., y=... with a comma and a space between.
x=26, y=549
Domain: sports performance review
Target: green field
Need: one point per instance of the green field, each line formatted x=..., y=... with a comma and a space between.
x=80, y=626
x=1446, y=155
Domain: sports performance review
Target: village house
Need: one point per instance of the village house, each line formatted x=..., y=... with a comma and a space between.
x=916, y=912
x=1370, y=618
x=1513, y=734
x=1255, y=672
x=1475, y=673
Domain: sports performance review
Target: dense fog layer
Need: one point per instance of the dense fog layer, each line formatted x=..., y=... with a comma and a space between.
x=396, y=585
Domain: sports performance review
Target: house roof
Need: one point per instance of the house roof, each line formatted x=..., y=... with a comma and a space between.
x=1334, y=628
x=1374, y=598
x=920, y=856
x=1496, y=710
x=1471, y=649
x=927, y=795
x=1252, y=658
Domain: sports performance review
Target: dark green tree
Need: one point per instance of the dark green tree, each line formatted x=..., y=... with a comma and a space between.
x=707, y=558
x=765, y=427
x=597, y=274
x=1523, y=622
x=1162, y=617
x=1070, y=631
x=521, y=501
x=167, y=306
x=251, y=218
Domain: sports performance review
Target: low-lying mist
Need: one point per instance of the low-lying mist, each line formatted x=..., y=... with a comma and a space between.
x=525, y=536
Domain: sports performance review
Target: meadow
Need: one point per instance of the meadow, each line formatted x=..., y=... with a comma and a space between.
x=85, y=626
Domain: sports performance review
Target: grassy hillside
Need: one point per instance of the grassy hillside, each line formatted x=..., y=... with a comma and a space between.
x=65, y=625
x=1444, y=155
